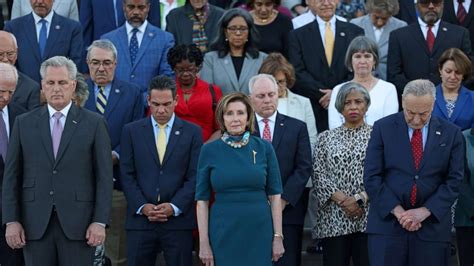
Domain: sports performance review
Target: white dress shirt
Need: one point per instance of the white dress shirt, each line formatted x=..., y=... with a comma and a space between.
x=140, y=33
x=38, y=24
x=271, y=124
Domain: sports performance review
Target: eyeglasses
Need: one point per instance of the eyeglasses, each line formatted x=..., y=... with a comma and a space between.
x=181, y=71
x=426, y=3
x=9, y=54
x=282, y=83
x=235, y=29
x=105, y=63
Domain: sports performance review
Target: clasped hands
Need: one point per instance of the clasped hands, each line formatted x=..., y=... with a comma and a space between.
x=411, y=220
x=158, y=213
x=348, y=204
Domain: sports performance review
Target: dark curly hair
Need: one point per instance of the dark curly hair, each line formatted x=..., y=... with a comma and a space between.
x=182, y=52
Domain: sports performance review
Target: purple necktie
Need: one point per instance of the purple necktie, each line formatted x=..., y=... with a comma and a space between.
x=57, y=132
x=3, y=137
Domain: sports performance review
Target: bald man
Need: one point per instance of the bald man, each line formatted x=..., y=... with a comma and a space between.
x=27, y=91
x=9, y=110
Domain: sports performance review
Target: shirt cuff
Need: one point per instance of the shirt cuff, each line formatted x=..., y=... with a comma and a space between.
x=116, y=155
x=139, y=211
x=176, y=210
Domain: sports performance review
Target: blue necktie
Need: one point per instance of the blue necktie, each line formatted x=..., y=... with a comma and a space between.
x=133, y=46
x=43, y=36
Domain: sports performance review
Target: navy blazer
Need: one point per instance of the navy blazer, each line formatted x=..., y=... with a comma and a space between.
x=27, y=92
x=64, y=38
x=463, y=114
x=389, y=174
x=143, y=176
x=293, y=151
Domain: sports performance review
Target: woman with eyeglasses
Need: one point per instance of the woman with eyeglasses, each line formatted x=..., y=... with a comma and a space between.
x=234, y=57
x=197, y=99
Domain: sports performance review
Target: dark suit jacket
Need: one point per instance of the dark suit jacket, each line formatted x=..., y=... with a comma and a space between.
x=180, y=25
x=450, y=16
x=78, y=183
x=407, y=11
x=306, y=53
x=143, y=176
x=389, y=174
x=409, y=57
x=27, y=92
x=463, y=114
x=124, y=105
x=64, y=38
x=293, y=150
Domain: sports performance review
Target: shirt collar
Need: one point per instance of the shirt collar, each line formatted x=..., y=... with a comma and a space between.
x=48, y=18
x=140, y=29
x=332, y=21
x=169, y=124
x=424, y=25
x=64, y=111
x=272, y=118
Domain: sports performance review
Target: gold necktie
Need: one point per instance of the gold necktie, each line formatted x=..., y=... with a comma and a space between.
x=328, y=42
x=161, y=142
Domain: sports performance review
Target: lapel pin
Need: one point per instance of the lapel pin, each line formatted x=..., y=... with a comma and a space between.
x=445, y=29
x=74, y=121
x=281, y=124
x=57, y=27
x=117, y=91
x=438, y=133
x=254, y=154
x=342, y=34
x=150, y=34
x=177, y=133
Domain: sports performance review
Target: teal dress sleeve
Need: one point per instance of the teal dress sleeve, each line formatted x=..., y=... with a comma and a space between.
x=273, y=186
x=203, y=176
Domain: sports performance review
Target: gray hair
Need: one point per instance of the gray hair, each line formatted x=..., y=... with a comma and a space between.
x=419, y=87
x=345, y=90
x=82, y=90
x=391, y=7
x=262, y=76
x=59, y=61
x=102, y=44
x=361, y=44
x=8, y=71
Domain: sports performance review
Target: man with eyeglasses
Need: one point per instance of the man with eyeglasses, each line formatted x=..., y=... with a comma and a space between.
x=120, y=102
x=27, y=91
x=414, y=50
x=142, y=47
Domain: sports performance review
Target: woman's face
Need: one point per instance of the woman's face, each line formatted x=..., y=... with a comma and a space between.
x=186, y=73
x=362, y=63
x=235, y=118
x=379, y=18
x=451, y=78
x=280, y=78
x=263, y=8
x=237, y=32
x=355, y=108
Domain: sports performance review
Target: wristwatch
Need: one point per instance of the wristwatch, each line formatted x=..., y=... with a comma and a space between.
x=359, y=200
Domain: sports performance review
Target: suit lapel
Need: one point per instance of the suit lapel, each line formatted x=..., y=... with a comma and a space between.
x=316, y=43
x=123, y=45
x=340, y=39
x=228, y=67
x=112, y=100
x=148, y=36
x=31, y=36
x=440, y=36
x=45, y=132
x=440, y=102
x=72, y=120
x=404, y=141
x=149, y=137
x=175, y=134
x=55, y=30
x=435, y=131
x=415, y=30
x=90, y=103
x=278, y=131
x=462, y=100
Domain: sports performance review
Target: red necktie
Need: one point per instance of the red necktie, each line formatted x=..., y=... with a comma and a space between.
x=461, y=15
x=417, y=152
x=430, y=39
x=267, y=135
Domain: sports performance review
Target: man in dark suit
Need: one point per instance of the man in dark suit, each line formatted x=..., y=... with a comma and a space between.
x=142, y=47
x=120, y=103
x=57, y=186
x=413, y=170
x=290, y=140
x=27, y=91
x=317, y=52
x=44, y=34
x=407, y=12
x=158, y=162
x=414, y=50
x=9, y=111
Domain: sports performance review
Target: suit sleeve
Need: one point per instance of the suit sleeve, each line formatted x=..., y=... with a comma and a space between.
x=206, y=70
x=34, y=97
x=184, y=197
x=87, y=21
x=395, y=73
x=77, y=44
x=103, y=174
x=382, y=199
x=296, y=182
x=171, y=26
x=13, y=177
x=305, y=85
x=447, y=192
x=165, y=68
x=466, y=191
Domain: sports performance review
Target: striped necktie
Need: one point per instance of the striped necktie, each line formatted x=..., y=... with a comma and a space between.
x=101, y=100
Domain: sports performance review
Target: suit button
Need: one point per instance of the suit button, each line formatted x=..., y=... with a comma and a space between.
x=161, y=172
x=55, y=172
x=416, y=177
x=51, y=193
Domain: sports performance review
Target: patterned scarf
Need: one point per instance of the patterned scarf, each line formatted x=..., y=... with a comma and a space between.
x=199, y=35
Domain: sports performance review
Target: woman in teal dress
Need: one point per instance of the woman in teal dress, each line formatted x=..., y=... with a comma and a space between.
x=243, y=226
